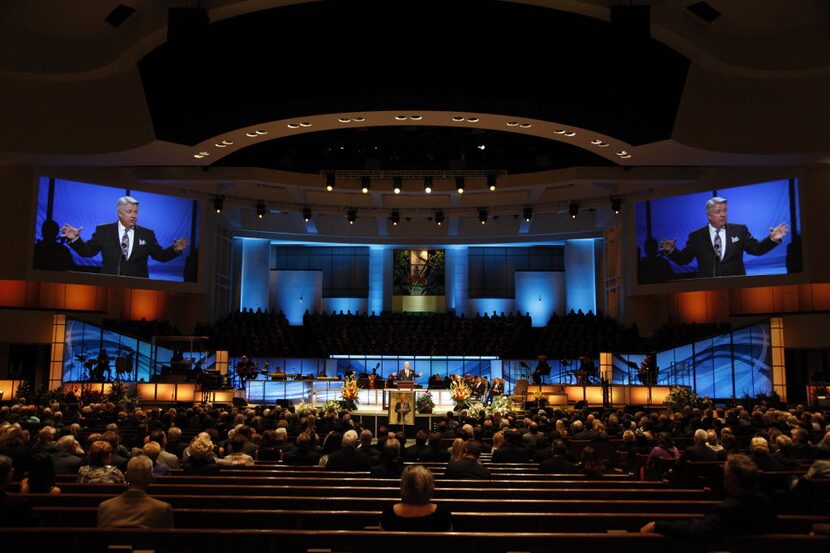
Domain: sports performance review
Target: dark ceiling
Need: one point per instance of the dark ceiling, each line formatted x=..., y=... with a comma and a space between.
x=473, y=56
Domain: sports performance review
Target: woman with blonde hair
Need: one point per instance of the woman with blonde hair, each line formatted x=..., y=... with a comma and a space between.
x=416, y=512
x=457, y=450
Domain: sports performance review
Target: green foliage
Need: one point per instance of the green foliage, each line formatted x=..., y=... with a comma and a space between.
x=123, y=396
x=424, y=402
x=683, y=396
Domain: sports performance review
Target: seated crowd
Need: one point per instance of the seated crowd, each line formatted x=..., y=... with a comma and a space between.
x=106, y=444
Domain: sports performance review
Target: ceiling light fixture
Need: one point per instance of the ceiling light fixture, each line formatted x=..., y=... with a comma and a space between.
x=527, y=213
x=482, y=215
x=491, y=182
x=351, y=216
x=397, y=185
x=428, y=185
x=573, y=210
x=616, y=205
x=459, y=184
x=366, y=182
x=439, y=217
x=260, y=209
x=218, y=204
x=395, y=217
x=306, y=214
x=331, y=182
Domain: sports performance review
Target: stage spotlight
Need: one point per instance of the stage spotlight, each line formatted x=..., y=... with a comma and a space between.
x=459, y=184
x=397, y=185
x=616, y=204
x=491, y=182
x=439, y=217
x=260, y=209
x=428, y=185
x=351, y=216
x=527, y=213
x=330, y=182
x=366, y=183
x=306, y=214
x=218, y=204
x=573, y=210
x=482, y=215
x=395, y=218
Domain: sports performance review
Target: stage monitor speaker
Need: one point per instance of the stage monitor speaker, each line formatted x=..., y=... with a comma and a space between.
x=187, y=26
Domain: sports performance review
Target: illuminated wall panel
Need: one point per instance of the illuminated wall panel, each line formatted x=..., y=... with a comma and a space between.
x=56, y=354
x=779, y=372
x=13, y=293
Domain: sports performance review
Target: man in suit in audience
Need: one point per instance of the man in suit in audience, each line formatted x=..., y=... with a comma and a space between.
x=745, y=511
x=719, y=248
x=67, y=458
x=14, y=511
x=558, y=463
x=348, y=458
x=366, y=448
x=413, y=452
x=134, y=508
x=699, y=451
x=468, y=468
x=512, y=450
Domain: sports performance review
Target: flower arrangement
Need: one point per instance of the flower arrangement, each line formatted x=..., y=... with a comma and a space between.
x=682, y=396
x=500, y=404
x=460, y=394
x=424, y=403
x=349, y=395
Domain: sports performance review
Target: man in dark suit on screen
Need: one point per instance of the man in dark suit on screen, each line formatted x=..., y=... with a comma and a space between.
x=719, y=248
x=125, y=247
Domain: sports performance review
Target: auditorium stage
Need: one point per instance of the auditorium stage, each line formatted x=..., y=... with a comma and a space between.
x=373, y=402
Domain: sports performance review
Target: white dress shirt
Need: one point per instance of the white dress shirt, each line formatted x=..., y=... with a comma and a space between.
x=130, y=233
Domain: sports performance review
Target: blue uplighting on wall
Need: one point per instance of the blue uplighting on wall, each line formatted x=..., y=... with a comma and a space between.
x=253, y=289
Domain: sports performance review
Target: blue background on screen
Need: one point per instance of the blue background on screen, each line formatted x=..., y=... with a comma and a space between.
x=89, y=205
x=758, y=206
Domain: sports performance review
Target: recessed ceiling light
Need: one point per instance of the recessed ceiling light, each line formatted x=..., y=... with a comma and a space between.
x=220, y=145
x=400, y=118
x=198, y=156
x=596, y=142
x=251, y=134
x=415, y=117
x=626, y=156
x=570, y=133
x=525, y=125
x=622, y=153
x=344, y=120
x=305, y=124
x=512, y=123
x=359, y=118
x=260, y=132
x=204, y=154
x=559, y=131
x=227, y=142
x=481, y=146
x=458, y=119
x=293, y=125
x=604, y=145
x=472, y=120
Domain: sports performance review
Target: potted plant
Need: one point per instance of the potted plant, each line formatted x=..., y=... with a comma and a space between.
x=424, y=404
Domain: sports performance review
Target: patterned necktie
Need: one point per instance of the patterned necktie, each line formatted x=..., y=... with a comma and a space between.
x=125, y=243
x=718, y=245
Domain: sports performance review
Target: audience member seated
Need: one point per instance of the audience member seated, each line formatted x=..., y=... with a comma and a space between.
x=389, y=462
x=271, y=448
x=759, y=453
x=590, y=463
x=67, y=457
x=14, y=511
x=236, y=454
x=100, y=470
x=135, y=508
x=152, y=451
x=416, y=512
x=700, y=450
x=199, y=456
x=558, y=463
x=348, y=458
x=745, y=511
x=41, y=475
x=434, y=452
x=468, y=467
x=303, y=454
x=512, y=450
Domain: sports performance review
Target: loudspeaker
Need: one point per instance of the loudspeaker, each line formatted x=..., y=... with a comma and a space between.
x=187, y=26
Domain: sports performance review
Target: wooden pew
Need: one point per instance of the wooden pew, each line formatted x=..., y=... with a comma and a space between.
x=258, y=502
x=549, y=494
x=87, y=540
x=360, y=520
